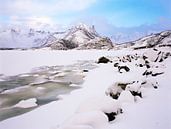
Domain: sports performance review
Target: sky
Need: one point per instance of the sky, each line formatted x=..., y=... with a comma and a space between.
x=121, y=13
x=107, y=15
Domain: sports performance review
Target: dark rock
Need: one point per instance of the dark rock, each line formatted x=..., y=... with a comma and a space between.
x=147, y=73
x=143, y=83
x=69, y=44
x=103, y=60
x=159, y=53
x=128, y=58
x=111, y=116
x=63, y=44
x=133, y=82
x=123, y=67
x=155, y=87
x=134, y=93
x=146, y=62
x=123, y=85
x=140, y=65
x=168, y=54
x=116, y=64
x=155, y=49
x=161, y=60
x=120, y=110
x=145, y=57
x=114, y=96
x=85, y=70
x=156, y=59
x=156, y=74
x=7, y=48
x=148, y=66
x=165, y=57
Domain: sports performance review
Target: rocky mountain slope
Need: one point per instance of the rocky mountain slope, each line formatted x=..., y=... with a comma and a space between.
x=155, y=40
x=81, y=37
x=158, y=40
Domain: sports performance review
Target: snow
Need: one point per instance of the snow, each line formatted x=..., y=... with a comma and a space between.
x=22, y=38
x=85, y=108
x=95, y=119
x=133, y=87
x=105, y=104
x=16, y=62
x=126, y=97
x=26, y=103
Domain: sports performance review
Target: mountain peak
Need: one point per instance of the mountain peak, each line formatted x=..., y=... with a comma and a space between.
x=82, y=26
x=82, y=36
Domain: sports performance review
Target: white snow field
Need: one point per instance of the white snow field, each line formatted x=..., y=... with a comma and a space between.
x=86, y=108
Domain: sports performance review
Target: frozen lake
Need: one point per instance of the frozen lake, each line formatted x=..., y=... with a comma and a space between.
x=25, y=92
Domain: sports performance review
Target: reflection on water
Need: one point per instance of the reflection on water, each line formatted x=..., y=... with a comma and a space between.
x=43, y=83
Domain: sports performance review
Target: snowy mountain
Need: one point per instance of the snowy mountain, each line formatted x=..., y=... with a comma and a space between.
x=23, y=38
x=154, y=40
x=122, y=35
x=81, y=37
x=159, y=39
x=78, y=37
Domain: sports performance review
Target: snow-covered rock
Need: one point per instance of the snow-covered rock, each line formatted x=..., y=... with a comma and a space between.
x=92, y=119
x=126, y=97
x=105, y=104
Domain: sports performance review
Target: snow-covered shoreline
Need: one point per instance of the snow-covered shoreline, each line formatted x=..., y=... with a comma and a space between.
x=15, y=62
x=81, y=109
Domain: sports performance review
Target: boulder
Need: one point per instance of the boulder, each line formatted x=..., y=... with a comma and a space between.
x=103, y=60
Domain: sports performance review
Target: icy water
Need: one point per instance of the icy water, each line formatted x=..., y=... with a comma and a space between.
x=44, y=84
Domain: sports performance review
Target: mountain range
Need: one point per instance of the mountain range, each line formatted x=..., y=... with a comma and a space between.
x=78, y=37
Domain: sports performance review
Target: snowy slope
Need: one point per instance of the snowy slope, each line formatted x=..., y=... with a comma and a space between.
x=87, y=108
x=23, y=38
x=29, y=35
x=154, y=40
x=159, y=39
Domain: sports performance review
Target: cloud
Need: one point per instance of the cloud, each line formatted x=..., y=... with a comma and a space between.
x=31, y=21
x=125, y=34
x=42, y=7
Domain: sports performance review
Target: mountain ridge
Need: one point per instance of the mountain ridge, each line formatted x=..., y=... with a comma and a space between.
x=78, y=37
x=154, y=40
x=81, y=37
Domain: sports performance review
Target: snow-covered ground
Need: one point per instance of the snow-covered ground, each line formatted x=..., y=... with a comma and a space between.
x=86, y=108
x=16, y=62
